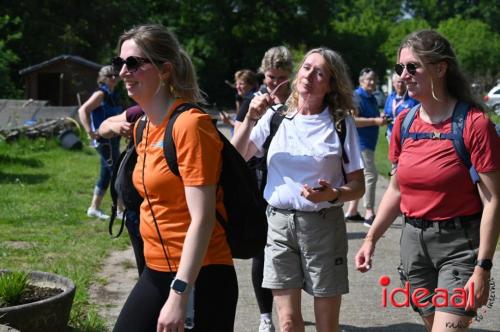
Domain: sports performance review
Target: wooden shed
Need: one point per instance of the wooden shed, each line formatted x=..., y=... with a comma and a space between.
x=64, y=80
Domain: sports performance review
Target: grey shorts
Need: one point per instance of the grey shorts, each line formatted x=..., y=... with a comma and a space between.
x=306, y=250
x=439, y=258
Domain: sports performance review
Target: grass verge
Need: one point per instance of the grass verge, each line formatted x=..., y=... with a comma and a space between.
x=44, y=193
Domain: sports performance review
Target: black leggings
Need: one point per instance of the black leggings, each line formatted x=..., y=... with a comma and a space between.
x=216, y=295
x=264, y=296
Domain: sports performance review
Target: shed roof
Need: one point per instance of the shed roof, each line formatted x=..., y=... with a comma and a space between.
x=63, y=57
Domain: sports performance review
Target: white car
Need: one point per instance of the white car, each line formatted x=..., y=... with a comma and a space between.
x=492, y=99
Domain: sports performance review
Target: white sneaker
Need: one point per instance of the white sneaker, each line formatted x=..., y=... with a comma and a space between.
x=266, y=325
x=96, y=213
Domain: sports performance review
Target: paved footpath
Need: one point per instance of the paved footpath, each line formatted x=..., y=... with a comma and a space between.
x=361, y=309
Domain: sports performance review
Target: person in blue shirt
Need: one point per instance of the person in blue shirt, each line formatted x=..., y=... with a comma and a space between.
x=101, y=105
x=367, y=118
x=397, y=101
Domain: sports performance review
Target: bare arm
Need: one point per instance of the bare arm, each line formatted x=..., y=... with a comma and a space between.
x=237, y=125
x=84, y=111
x=201, y=205
x=489, y=189
x=368, y=122
x=115, y=125
x=241, y=138
x=388, y=211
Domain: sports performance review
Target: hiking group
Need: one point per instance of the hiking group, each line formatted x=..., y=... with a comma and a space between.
x=303, y=145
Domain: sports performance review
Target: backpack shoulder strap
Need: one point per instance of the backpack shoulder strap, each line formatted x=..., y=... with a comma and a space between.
x=276, y=120
x=342, y=132
x=168, y=142
x=407, y=121
x=457, y=128
x=139, y=129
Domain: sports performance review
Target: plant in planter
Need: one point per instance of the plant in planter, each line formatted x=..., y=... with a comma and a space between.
x=36, y=301
x=12, y=286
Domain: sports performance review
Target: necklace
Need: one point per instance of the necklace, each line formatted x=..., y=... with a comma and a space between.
x=439, y=116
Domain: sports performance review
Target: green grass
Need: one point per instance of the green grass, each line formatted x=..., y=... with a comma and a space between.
x=382, y=153
x=44, y=193
x=12, y=286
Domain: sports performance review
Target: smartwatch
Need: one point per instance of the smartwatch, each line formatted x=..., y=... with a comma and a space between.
x=179, y=286
x=485, y=264
x=333, y=201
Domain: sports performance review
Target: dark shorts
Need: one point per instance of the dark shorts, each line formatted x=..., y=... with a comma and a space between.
x=441, y=258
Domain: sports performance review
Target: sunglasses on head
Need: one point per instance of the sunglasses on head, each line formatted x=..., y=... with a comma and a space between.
x=132, y=62
x=411, y=68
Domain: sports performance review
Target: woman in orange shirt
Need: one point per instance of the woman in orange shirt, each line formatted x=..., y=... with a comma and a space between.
x=186, y=251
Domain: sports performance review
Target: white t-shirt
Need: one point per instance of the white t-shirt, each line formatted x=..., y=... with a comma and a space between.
x=306, y=148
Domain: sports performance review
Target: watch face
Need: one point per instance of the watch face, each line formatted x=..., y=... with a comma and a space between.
x=178, y=286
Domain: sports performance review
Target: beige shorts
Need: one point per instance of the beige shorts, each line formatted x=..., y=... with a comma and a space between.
x=306, y=250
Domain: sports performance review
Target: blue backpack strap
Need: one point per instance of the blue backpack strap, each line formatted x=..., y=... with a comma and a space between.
x=407, y=121
x=457, y=127
x=168, y=142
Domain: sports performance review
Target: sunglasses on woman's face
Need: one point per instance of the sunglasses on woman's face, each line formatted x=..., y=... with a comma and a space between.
x=132, y=62
x=411, y=68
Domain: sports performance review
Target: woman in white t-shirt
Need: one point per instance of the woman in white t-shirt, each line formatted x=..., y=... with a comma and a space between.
x=306, y=186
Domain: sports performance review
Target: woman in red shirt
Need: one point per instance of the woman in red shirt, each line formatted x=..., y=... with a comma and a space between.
x=451, y=225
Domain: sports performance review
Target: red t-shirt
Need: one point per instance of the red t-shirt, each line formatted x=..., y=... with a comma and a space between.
x=433, y=181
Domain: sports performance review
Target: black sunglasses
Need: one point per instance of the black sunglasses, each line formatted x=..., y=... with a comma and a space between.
x=132, y=62
x=411, y=67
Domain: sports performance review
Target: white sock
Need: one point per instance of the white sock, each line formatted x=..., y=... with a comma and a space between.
x=266, y=316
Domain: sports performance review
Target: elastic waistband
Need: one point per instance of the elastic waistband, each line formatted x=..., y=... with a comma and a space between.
x=453, y=223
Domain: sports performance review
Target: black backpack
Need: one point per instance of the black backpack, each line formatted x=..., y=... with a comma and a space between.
x=121, y=186
x=246, y=225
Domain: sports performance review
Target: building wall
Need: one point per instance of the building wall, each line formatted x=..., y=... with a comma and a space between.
x=60, y=82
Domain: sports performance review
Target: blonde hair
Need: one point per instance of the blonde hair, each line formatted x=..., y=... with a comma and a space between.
x=104, y=72
x=278, y=57
x=339, y=99
x=160, y=46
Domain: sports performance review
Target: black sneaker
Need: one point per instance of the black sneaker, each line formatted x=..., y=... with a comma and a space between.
x=368, y=222
x=355, y=217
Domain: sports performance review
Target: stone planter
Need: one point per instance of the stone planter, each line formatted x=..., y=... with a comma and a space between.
x=51, y=314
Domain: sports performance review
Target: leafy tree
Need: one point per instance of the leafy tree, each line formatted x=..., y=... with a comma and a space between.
x=396, y=34
x=434, y=11
x=361, y=27
x=7, y=56
x=475, y=44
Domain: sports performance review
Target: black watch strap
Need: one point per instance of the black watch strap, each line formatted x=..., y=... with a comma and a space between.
x=485, y=264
